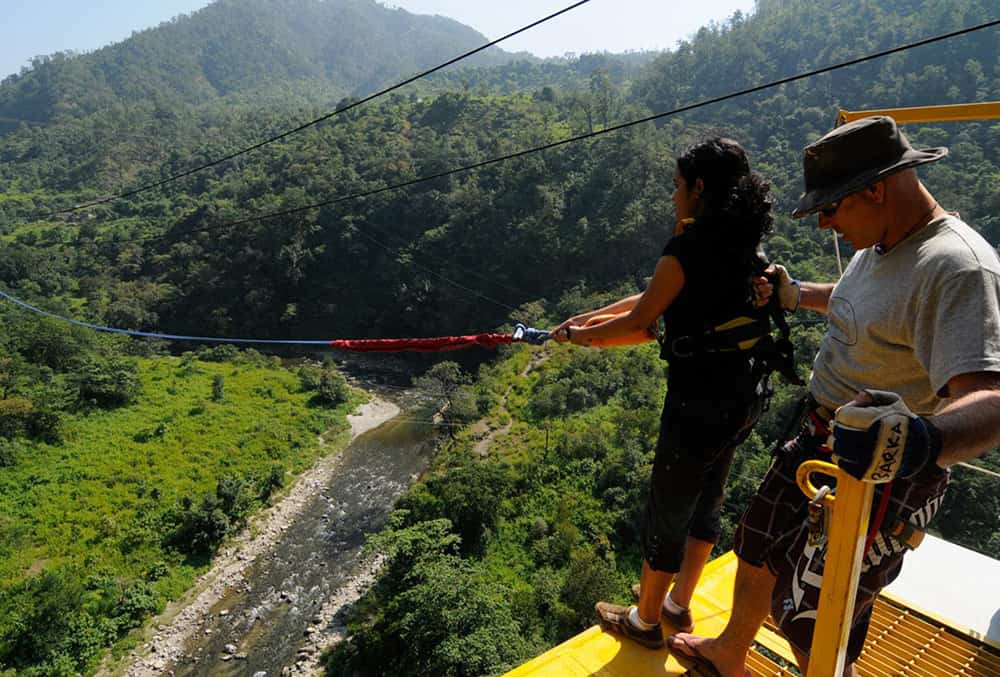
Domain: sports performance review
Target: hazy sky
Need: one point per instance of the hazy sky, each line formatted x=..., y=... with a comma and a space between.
x=611, y=25
x=34, y=27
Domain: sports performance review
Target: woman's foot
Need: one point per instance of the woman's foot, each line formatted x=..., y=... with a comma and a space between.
x=618, y=619
x=681, y=621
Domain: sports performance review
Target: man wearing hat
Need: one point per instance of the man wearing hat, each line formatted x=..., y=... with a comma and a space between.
x=907, y=379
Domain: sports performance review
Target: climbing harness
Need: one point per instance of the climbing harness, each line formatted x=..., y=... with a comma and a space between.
x=778, y=354
x=744, y=333
x=814, y=421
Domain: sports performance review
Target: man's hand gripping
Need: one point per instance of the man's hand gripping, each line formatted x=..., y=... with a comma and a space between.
x=877, y=438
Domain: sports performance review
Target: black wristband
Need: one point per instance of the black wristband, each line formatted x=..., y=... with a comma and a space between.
x=569, y=336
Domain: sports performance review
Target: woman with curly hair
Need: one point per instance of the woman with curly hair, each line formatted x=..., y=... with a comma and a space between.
x=703, y=289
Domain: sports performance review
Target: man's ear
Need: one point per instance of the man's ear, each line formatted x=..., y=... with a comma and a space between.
x=699, y=187
x=876, y=192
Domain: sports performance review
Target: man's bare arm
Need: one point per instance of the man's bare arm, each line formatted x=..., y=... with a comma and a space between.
x=970, y=423
x=815, y=296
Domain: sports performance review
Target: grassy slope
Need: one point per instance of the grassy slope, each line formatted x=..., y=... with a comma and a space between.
x=94, y=501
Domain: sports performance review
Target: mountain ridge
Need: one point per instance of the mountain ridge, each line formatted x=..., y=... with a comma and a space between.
x=230, y=46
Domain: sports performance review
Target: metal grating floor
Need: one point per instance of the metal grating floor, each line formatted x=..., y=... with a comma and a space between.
x=902, y=642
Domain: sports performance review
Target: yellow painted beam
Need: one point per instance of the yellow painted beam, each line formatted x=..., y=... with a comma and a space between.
x=842, y=569
x=987, y=110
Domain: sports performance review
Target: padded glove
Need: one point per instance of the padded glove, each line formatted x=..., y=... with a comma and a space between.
x=882, y=441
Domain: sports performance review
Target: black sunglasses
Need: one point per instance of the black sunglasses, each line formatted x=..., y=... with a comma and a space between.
x=830, y=209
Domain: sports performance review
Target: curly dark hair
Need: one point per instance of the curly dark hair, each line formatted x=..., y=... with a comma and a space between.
x=736, y=212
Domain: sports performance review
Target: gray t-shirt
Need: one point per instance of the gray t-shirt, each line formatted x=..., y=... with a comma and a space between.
x=913, y=318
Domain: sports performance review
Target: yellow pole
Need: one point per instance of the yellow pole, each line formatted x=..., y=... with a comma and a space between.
x=842, y=568
x=985, y=110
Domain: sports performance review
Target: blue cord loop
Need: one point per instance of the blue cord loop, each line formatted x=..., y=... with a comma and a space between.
x=535, y=337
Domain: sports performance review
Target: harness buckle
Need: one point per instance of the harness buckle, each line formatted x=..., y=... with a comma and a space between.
x=676, y=351
x=818, y=519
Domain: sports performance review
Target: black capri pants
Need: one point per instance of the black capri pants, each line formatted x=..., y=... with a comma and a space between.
x=693, y=455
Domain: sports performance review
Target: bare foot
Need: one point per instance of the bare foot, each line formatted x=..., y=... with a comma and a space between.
x=705, y=654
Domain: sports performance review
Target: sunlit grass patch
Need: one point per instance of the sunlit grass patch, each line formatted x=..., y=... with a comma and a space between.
x=101, y=511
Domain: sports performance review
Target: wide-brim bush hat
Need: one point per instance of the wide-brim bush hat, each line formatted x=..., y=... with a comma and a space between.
x=854, y=156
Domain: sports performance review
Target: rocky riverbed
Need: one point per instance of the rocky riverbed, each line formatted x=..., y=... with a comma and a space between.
x=223, y=602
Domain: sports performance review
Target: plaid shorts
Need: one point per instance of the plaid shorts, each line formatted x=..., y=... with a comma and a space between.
x=773, y=533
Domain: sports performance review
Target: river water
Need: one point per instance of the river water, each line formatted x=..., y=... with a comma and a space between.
x=266, y=618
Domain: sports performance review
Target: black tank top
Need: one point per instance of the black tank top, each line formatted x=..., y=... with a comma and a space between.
x=717, y=288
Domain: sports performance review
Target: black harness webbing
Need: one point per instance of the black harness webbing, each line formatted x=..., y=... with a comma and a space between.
x=779, y=354
x=744, y=333
x=740, y=333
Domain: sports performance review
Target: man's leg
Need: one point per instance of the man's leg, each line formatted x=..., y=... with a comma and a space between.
x=751, y=605
x=696, y=554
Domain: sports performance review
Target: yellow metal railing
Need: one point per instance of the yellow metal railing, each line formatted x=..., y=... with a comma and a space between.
x=842, y=569
x=987, y=110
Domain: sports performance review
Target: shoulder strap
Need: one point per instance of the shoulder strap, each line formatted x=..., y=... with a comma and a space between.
x=779, y=354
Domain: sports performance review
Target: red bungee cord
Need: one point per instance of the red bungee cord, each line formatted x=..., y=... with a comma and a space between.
x=441, y=343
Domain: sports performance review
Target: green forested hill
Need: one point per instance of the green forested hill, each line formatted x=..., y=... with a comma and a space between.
x=232, y=46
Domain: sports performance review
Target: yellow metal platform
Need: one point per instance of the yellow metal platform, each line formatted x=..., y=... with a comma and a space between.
x=901, y=641
x=594, y=652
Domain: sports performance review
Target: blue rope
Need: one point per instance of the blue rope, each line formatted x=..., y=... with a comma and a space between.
x=146, y=334
x=521, y=333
